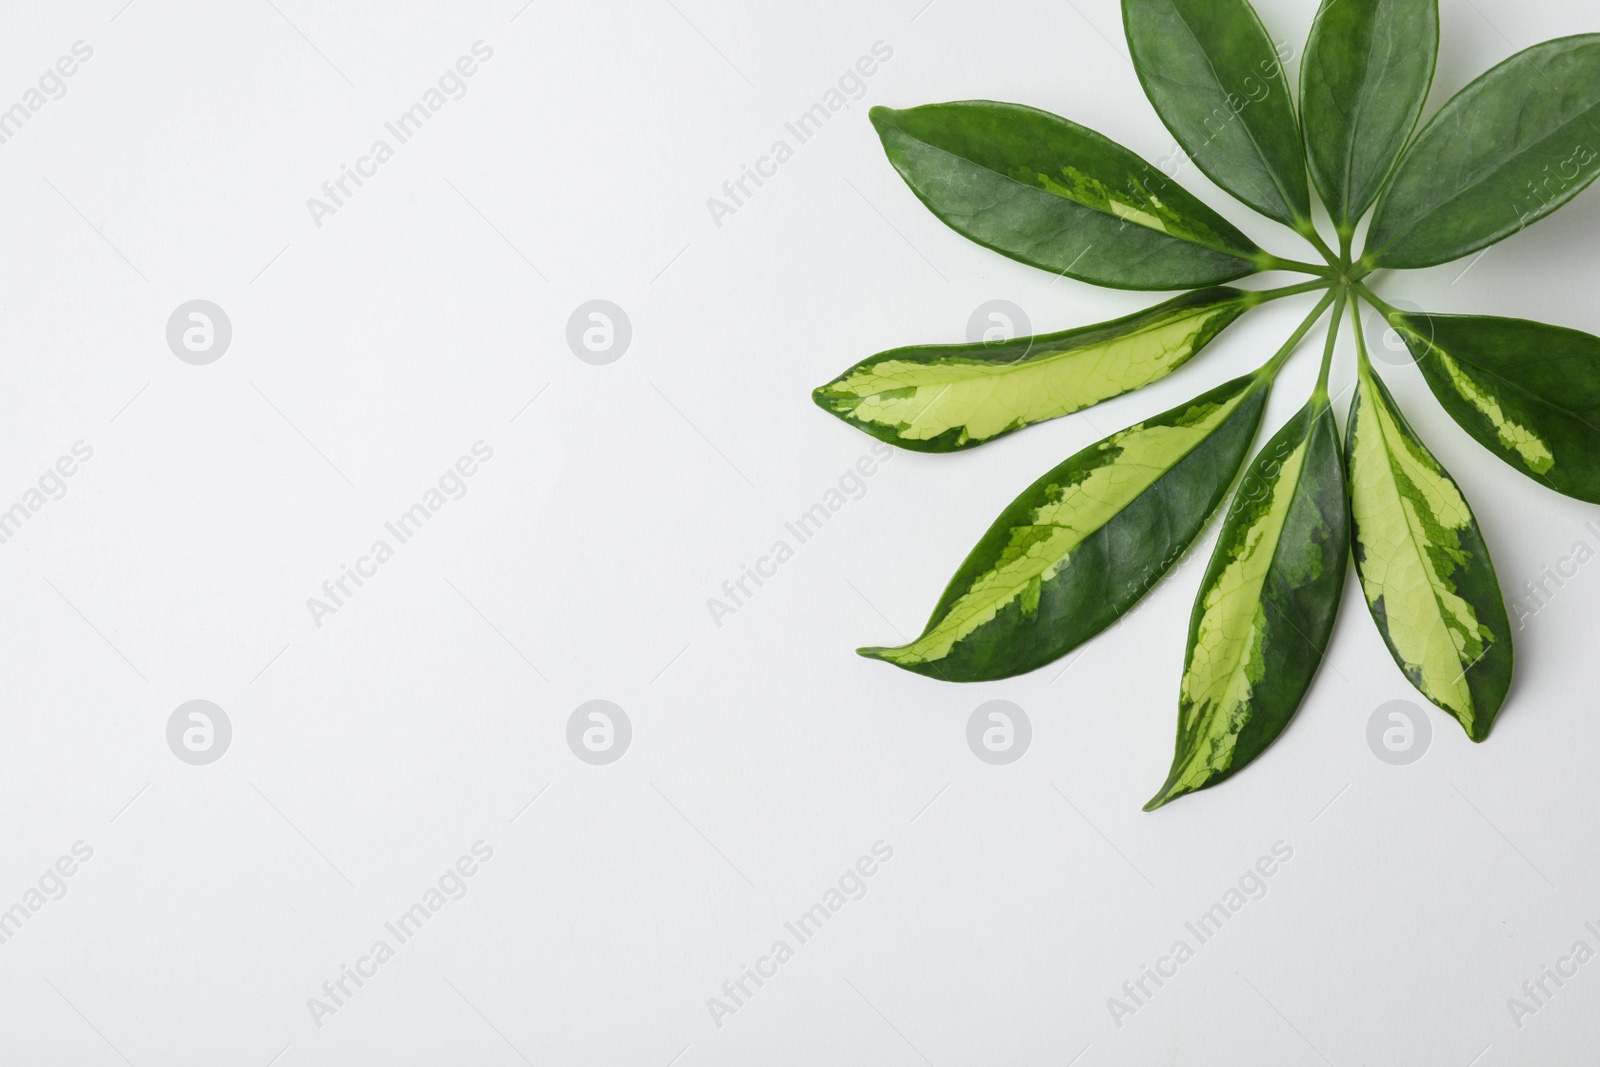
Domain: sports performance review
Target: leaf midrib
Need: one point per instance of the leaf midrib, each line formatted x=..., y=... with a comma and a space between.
x=1512, y=386
x=1272, y=174
x=1235, y=668
x=1355, y=127
x=1013, y=590
x=1208, y=246
x=1481, y=177
x=1411, y=530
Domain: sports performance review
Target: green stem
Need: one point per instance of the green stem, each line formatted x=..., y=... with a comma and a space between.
x=1388, y=309
x=1257, y=297
x=1321, y=391
x=1272, y=262
x=1308, y=230
x=1346, y=235
x=1270, y=368
x=1362, y=362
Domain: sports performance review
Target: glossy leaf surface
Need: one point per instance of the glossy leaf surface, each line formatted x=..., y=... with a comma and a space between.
x=1363, y=81
x=1082, y=544
x=1424, y=568
x=1217, y=81
x=1266, y=605
x=1506, y=151
x=1055, y=195
x=944, y=398
x=1530, y=393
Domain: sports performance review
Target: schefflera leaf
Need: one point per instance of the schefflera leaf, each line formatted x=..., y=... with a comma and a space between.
x=1055, y=195
x=1213, y=75
x=1081, y=545
x=1528, y=392
x=1424, y=568
x=1266, y=605
x=944, y=398
x=1366, y=74
x=1507, y=150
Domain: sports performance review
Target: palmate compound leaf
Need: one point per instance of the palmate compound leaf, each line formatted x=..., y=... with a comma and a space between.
x=1507, y=150
x=944, y=398
x=1054, y=195
x=1215, y=78
x=1266, y=605
x=1364, y=79
x=1063, y=561
x=1081, y=545
x=1424, y=568
x=1528, y=392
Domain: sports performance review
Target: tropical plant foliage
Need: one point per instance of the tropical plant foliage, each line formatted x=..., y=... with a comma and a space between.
x=1082, y=544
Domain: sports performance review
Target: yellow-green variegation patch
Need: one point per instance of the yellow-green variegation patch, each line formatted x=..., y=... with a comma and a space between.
x=1529, y=392
x=942, y=398
x=1081, y=545
x=1529, y=446
x=1266, y=606
x=1136, y=204
x=1050, y=193
x=1424, y=568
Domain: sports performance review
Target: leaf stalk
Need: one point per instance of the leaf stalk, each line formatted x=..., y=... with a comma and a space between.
x=1389, y=310
x=1257, y=297
x=1270, y=368
x=1339, y=299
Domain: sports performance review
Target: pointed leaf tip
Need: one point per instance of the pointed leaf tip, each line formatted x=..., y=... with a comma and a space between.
x=1425, y=571
x=1158, y=801
x=1055, y=195
x=1077, y=549
x=945, y=398
x=1266, y=606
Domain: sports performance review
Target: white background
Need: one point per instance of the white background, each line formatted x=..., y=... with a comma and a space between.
x=372, y=751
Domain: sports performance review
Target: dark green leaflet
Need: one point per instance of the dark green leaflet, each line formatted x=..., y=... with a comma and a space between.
x=944, y=398
x=1214, y=77
x=1509, y=149
x=1530, y=393
x=1424, y=568
x=1055, y=195
x=1266, y=605
x=1363, y=82
x=1081, y=545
